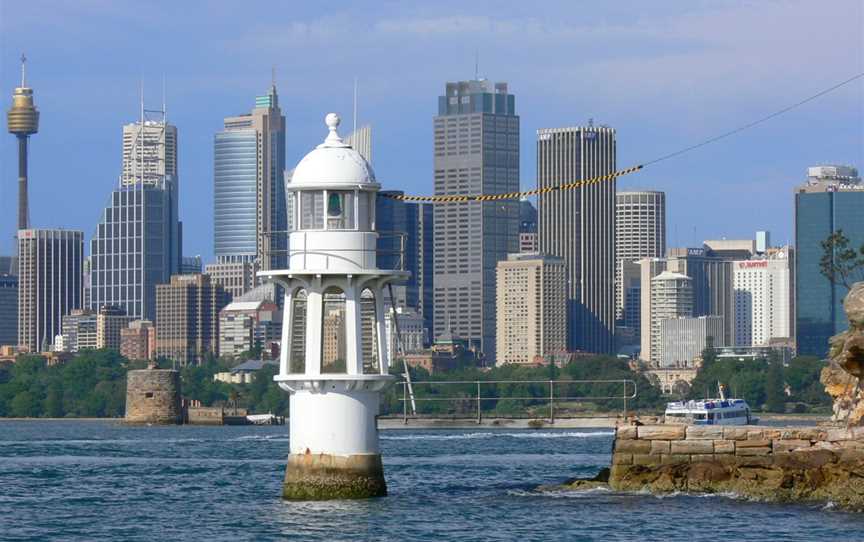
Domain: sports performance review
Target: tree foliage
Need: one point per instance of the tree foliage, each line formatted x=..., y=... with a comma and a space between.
x=841, y=263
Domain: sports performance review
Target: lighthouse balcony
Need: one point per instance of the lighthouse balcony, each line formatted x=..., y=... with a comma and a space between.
x=331, y=383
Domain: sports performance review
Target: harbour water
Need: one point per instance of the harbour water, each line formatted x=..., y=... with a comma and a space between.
x=98, y=480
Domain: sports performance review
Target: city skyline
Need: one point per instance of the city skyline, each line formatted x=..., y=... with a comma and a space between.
x=671, y=87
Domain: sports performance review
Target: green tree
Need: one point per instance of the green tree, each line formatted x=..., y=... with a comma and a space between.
x=841, y=263
x=775, y=397
x=25, y=405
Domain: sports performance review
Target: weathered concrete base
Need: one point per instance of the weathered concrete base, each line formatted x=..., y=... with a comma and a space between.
x=322, y=477
x=153, y=397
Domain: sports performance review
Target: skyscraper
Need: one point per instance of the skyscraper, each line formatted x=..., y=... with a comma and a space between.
x=8, y=309
x=830, y=200
x=579, y=226
x=640, y=232
x=138, y=241
x=23, y=121
x=187, y=318
x=762, y=301
x=671, y=298
x=250, y=217
x=49, y=283
x=476, y=151
x=420, y=258
x=531, y=308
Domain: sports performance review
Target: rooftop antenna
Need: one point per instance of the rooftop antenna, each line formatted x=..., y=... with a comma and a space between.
x=273, y=76
x=164, y=102
x=23, y=71
x=355, y=105
x=477, y=64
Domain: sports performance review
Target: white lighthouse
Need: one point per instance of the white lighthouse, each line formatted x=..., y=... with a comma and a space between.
x=333, y=359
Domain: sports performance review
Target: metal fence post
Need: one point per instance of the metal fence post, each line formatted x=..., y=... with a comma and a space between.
x=404, y=404
x=551, y=401
x=479, y=414
x=624, y=395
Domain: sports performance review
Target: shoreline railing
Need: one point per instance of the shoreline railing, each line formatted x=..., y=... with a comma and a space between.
x=482, y=393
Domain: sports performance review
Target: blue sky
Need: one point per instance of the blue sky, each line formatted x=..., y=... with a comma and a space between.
x=665, y=75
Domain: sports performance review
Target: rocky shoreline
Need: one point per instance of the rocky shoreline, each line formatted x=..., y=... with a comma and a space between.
x=789, y=464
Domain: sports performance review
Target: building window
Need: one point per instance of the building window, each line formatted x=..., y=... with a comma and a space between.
x=333, y=332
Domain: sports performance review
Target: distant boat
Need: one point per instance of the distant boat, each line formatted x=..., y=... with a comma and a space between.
x=720, y=411
x=265, y=419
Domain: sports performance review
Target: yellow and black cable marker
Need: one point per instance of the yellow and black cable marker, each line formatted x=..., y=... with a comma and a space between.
x=616, y=174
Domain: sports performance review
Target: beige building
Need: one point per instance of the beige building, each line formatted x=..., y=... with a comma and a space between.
x=531, y=302
x=138, y=340
x=640, y=232
x=244, y=325
x=187, y=318
x=682, y=340
x=671, y=298
x=236, y=277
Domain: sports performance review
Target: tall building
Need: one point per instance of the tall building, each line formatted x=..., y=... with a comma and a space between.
x=138, y=340
x=671, y=298
x=236, y=277
x=476, y=151
x=528, y=241
x=712, y=283
x=531, y=308
x=189, y=265
x=579, y=226
x=683, y=339
x=829, y=201
x=23, y=121
x=138, y=241
x=361, y=141
x=187, y=318
x=762, y=300
x=250, y=216
x=8, y=309
x=420, y=260
x=244, y=325
x=640, y=232
x=84, y=328
x=49, y=283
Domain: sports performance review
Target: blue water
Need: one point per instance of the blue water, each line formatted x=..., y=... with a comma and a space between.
x=86, y=480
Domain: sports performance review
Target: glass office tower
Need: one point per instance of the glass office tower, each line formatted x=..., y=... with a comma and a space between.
x=831, y=200
x=250, y=219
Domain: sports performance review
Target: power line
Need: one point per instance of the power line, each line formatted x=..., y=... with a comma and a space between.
x=755, y=122
x=619, y=173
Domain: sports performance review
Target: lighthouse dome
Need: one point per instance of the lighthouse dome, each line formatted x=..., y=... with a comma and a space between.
x=333, y=162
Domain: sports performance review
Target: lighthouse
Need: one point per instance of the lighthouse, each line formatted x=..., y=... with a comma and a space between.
x=333, y=358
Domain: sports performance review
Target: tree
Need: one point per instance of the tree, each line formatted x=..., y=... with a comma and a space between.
x=775, y=398
x=840, y=263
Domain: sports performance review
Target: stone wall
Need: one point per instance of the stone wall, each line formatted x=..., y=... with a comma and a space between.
x=153, y=396
x=783, y=464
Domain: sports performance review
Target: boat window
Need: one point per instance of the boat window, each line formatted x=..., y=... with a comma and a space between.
x=699, y=416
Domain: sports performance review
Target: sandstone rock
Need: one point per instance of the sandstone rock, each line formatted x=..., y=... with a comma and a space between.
x=622, y=459
x=752, y=443
x=644, y=459
x=674, y=459
x=692, y=447
x=661, y=432
x=753, y=450
x=625, y=432
x=779, y=446
x=724, y=446
x=633, y=446
x=705, y=432
x=735, y=433
x=659, y=446
x=842, y=377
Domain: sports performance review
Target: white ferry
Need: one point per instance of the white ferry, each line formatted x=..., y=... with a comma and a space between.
x=720, y=411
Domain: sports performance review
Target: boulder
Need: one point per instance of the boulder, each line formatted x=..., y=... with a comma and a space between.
x=842, y=377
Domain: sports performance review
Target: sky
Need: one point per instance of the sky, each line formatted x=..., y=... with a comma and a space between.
x=665, y=75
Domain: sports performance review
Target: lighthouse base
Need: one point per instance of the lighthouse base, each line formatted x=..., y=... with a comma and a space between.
x=323, y=477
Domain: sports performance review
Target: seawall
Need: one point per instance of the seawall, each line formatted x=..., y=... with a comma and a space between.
x=787, y=464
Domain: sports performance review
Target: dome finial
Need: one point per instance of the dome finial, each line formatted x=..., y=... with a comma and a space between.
x=332, y=121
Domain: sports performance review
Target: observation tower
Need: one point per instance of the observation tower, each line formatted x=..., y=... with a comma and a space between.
x=333, y=360
x=23, y=121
